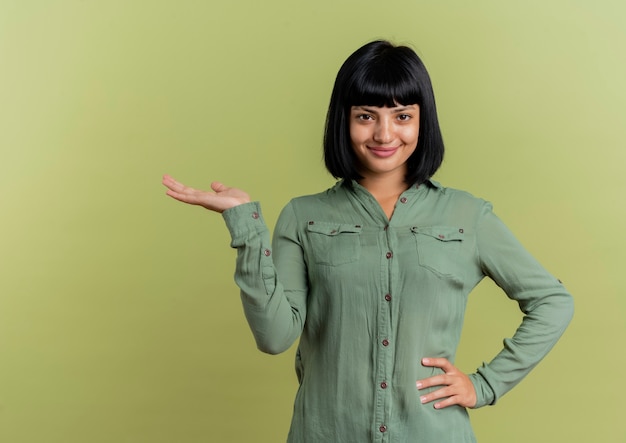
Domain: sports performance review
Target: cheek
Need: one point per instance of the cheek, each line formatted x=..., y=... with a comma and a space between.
x=411, y=136
x=352, y=134
x=358, y=134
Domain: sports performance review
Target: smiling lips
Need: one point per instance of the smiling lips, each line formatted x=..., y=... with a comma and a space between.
x=382, y=152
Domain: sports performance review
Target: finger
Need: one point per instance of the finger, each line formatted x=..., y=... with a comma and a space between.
x=435, y=380
x=456, y=393
x=187, y=194
x=219, y=187
x=173, y=184
x=169, y=180
x=450, y=401
x=441, y=362
x=185, y=198
x=448, y=397
x=438, y=394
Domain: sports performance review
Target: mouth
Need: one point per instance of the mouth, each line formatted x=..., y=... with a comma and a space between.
x=382, y=152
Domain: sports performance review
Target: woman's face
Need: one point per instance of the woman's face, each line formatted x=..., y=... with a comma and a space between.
x=384, y=138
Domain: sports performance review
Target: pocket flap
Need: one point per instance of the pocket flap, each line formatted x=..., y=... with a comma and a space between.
x=332, y=228
x=442, y=233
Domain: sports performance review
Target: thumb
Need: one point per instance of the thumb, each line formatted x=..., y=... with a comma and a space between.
x=219, y=187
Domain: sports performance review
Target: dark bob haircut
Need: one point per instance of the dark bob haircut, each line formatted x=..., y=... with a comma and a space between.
x=381, y=74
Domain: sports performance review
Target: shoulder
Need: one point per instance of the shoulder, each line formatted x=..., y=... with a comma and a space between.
x=330, y=199
x=297, y=215
x=456, y=203
x=452, y=194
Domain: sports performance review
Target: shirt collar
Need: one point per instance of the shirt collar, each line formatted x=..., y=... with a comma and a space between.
x=429, y=183
x=434, y=184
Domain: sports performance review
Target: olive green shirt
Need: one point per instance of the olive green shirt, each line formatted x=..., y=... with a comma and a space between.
x=370, y=297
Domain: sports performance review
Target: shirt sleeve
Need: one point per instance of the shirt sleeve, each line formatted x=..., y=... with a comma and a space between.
x=276, y=315
x=547, y=307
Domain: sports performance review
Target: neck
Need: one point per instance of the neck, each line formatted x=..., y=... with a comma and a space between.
x=384, y=187
x=385, y=191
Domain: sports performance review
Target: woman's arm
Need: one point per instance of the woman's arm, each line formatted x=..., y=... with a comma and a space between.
x=275, y=308
x=547, y=306
x=275, y=314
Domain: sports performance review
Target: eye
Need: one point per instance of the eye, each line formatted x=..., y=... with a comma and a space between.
x=365, y=117
x=404, y=117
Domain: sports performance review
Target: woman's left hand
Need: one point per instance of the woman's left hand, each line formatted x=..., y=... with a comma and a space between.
x=456, y=387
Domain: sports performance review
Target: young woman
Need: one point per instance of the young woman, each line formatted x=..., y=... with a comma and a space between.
x=373, y=275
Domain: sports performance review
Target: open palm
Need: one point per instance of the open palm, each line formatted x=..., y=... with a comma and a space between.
x=219, y=199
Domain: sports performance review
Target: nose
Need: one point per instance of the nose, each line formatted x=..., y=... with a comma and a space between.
x=383, y=132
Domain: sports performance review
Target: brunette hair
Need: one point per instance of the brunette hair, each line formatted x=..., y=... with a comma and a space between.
x=381, y=74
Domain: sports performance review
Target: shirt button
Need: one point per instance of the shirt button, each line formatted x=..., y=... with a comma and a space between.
x=387, y=297
x=267, y=252
x=403, y=200
x=385, y=342
x=389, y=255
x=382, y=428
x=383, y=385
x=255, y=215
x=461, y=230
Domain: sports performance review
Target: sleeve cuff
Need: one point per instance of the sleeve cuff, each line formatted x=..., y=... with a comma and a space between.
x=484, y=394
x=243, y=221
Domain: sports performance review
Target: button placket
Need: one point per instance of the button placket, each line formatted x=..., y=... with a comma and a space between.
x=385, y=328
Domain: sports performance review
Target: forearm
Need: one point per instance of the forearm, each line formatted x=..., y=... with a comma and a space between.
x=274, y=314
x=542, y=326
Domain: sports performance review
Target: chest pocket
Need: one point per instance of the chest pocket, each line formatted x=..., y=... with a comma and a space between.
x=334, y=244
x=438, y=249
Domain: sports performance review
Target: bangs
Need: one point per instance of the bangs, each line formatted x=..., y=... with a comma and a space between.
x=386, y=83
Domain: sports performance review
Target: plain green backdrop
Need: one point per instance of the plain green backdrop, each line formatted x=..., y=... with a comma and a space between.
x=119, y=320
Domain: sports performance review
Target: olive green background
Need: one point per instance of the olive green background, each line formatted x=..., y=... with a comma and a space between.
x=119, y=320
